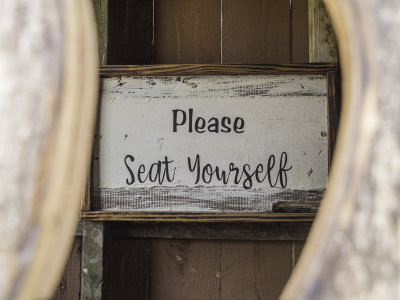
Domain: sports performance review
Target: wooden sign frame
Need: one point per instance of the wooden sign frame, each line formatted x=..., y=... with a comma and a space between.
x=297, y=211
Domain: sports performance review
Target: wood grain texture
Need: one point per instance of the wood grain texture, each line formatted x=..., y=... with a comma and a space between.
x=301, y=206
x=352, y=251
x=196, y=217
x=264, y=268
x=299, y=31
x=323, y=45
x=70, y=285
x=101, y=15
x=187, y=31
x=126, y=267
x=222, y=200
x=256, y=32
x=130, y=32
x=92, y=260
x=185, y=269
x=296, y=231
x=215, y=69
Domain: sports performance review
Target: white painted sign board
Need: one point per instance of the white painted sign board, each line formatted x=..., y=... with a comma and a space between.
x=210, y=143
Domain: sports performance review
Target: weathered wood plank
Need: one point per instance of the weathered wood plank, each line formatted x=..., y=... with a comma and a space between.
x=299, y=31
x=199, y=199
x=130, y=32
x=196, y=217
x=256, y=32
x=216, y=69
x=185, y=269
x=126, y=265
x=322, y=38
x=187, y=31
x=101, y=14
x=264, y=267
x=296, y=231
x=70, y=285
x=300, y=206
x=92, y=261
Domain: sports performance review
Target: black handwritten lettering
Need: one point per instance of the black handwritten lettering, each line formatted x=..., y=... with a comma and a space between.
x=159, y=170
x=213, y=125
x=244, y=176
x=225, y=124
x=282, y=169
x=162, y=171
x=131, y=158
x=238, y=124
x=201, y=124
x=175, y=117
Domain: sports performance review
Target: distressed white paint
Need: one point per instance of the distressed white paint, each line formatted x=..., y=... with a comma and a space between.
x=281, y=113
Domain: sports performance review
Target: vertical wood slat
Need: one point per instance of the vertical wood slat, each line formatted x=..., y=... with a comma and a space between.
x=101, y=14
x=187, y=31
x=254, y=270
x=299, y=31
x=126, y=267
x=297, y=249
x=265, y=31
x=256, y=32
x=91, y=256
x=185, y=269
x=70, y=283
x=130, y=32
x=92, y=260
x=322, y=38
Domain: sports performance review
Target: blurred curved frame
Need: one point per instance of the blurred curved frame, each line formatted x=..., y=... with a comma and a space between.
x=353, y=249
x=57, y=90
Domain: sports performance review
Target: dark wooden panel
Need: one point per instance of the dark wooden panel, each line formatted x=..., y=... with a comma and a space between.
x=299, y=35
x=126, y=263
x=254, y=270
x=187, y=31
x=243, y=231
x=256, y=31
x=185, y=269
x=70, y=284
x=130, y=32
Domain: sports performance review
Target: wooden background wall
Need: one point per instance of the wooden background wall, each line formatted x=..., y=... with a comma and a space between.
x=198, y=31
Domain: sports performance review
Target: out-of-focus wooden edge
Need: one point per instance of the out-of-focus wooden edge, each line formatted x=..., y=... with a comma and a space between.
x=72, y=148
x=312, y=277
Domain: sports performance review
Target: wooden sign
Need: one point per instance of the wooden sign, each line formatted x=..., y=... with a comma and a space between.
x=210, y=143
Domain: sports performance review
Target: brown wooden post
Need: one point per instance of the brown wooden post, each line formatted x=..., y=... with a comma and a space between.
x=93, y=232
x=322, y=38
